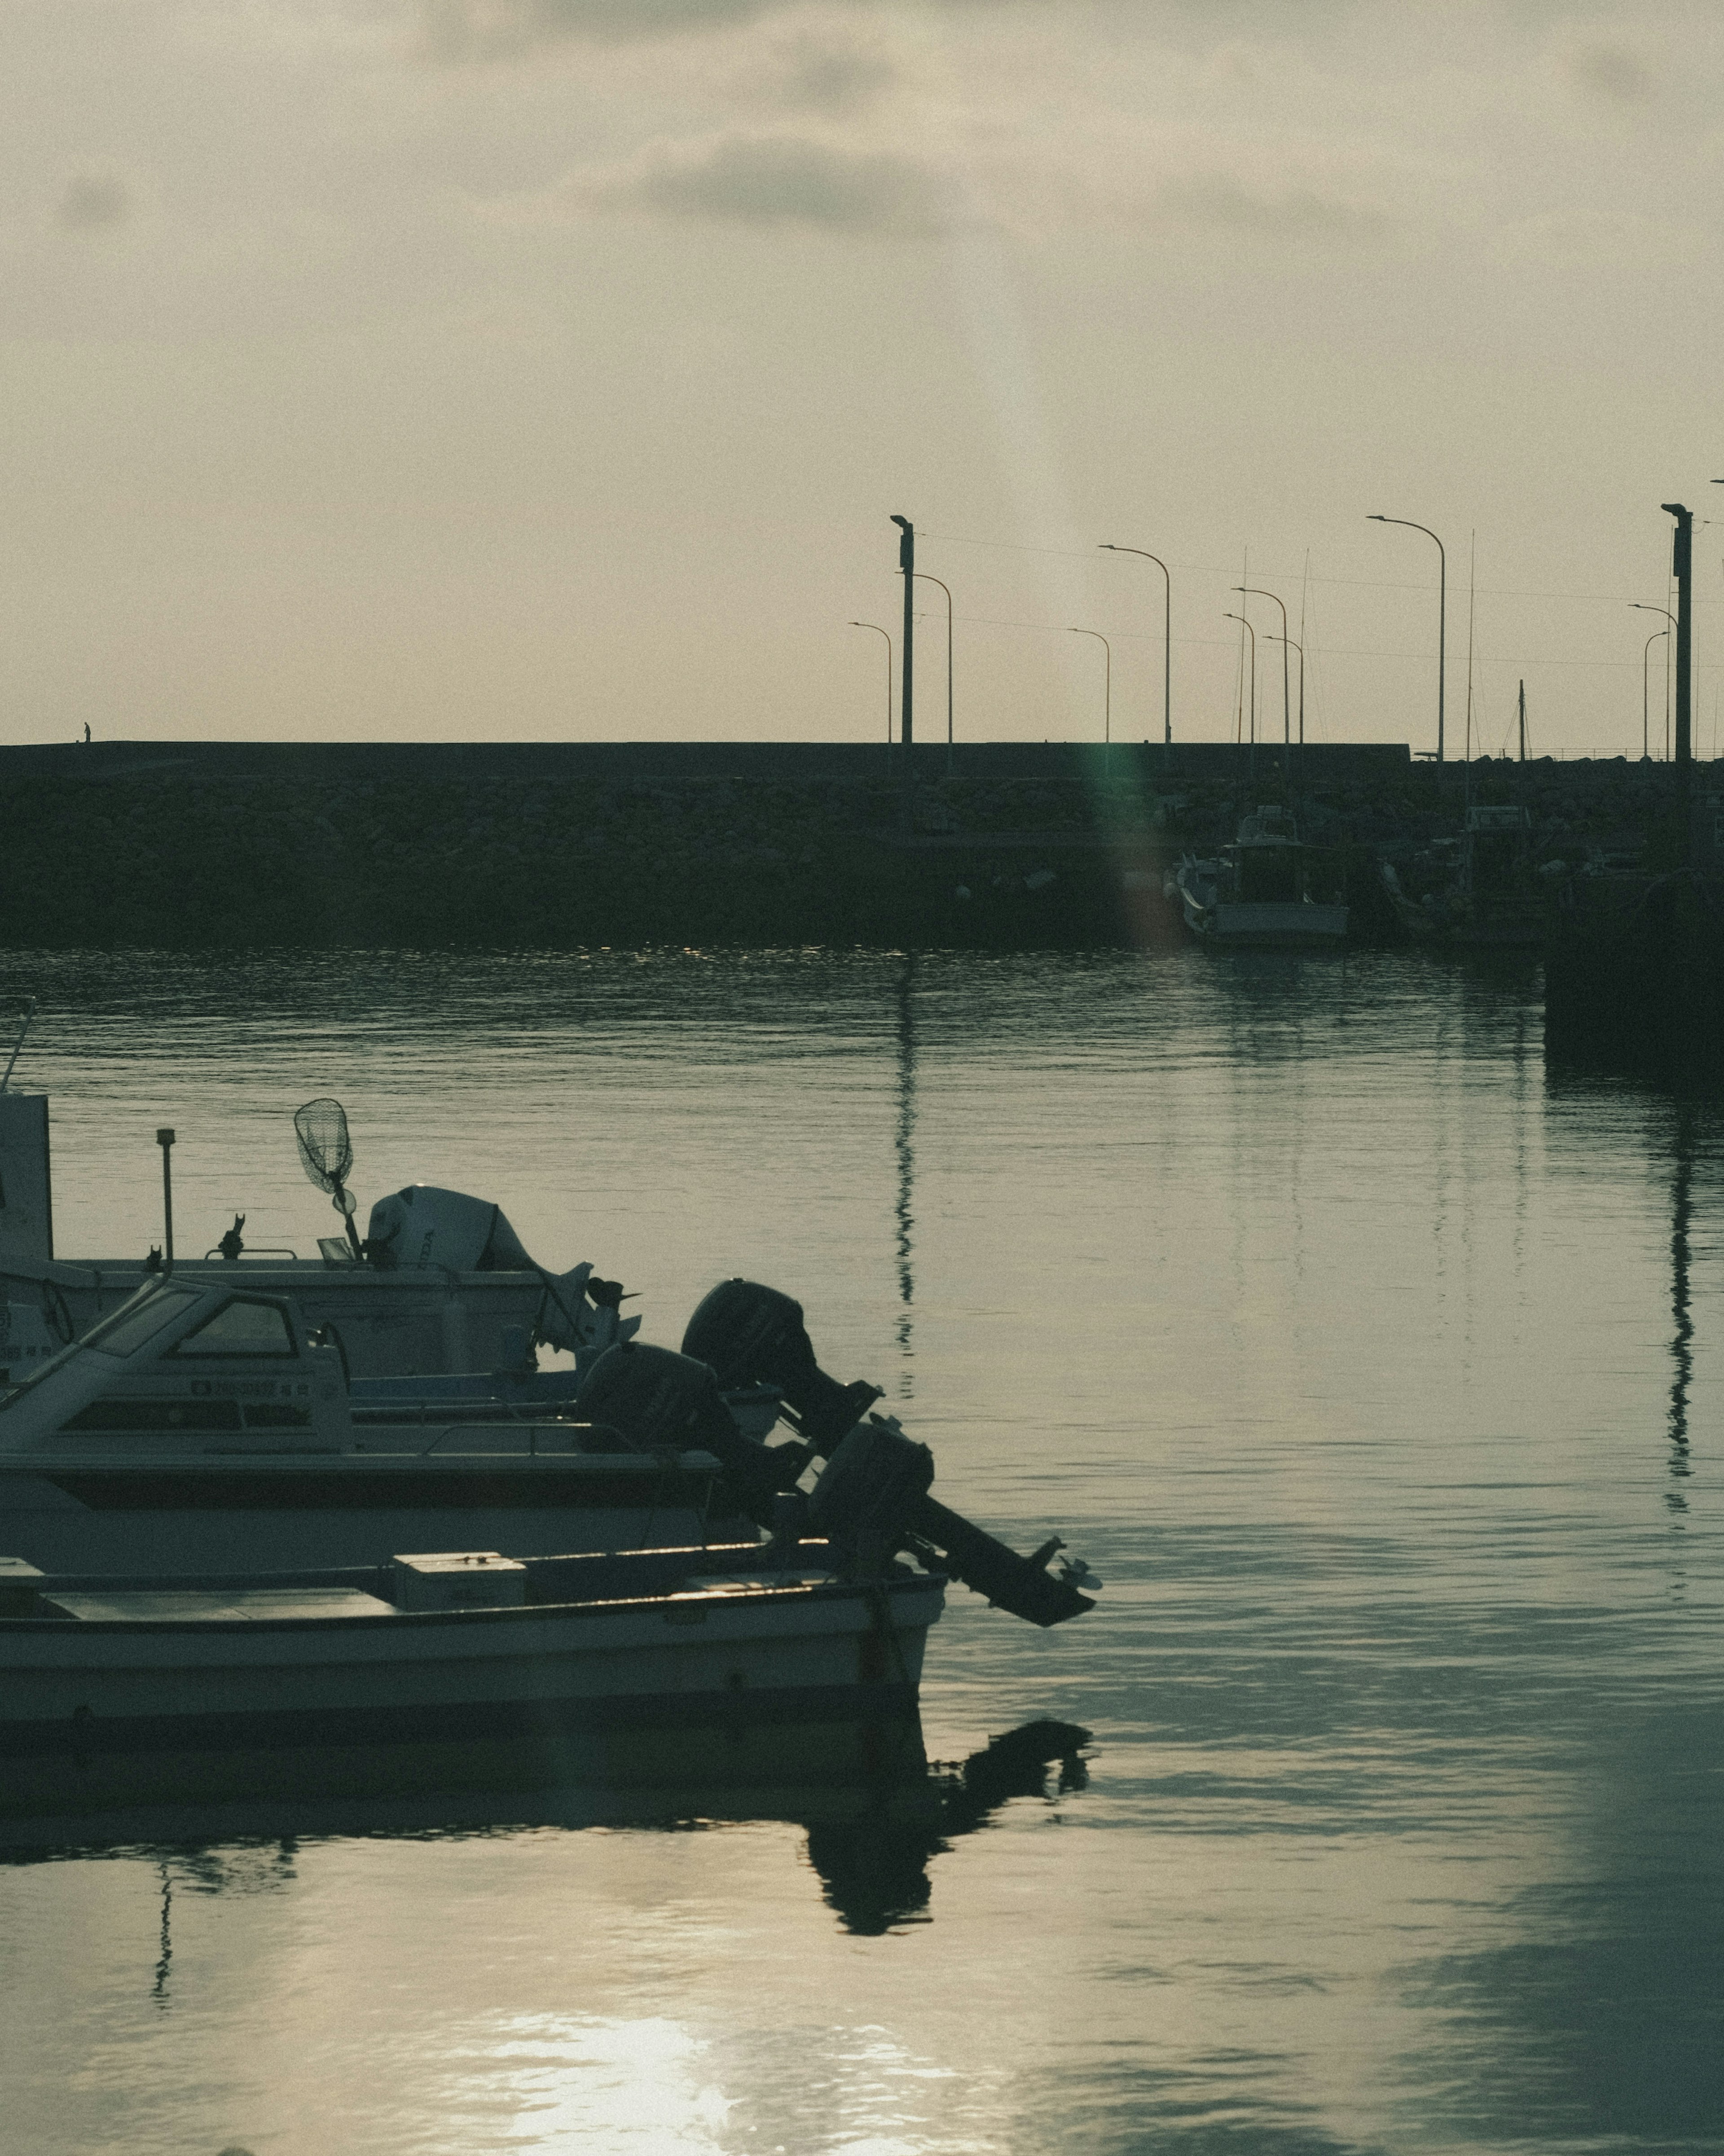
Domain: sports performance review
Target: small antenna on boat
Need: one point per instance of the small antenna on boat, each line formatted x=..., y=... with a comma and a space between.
x=164, y=1138
x=327, y=1155
x=29, y=1012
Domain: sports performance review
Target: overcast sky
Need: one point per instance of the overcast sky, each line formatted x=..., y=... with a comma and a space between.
x=445, y=368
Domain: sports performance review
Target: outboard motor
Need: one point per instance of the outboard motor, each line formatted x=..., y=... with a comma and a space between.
x=872, y=1498
x=662, y=1402
x=872, y=1501
x=750, y=1335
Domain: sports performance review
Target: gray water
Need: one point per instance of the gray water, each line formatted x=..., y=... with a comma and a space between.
x=1374, y=1366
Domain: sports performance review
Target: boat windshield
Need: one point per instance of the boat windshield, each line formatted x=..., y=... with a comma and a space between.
x=151, y=1310
x=142, y=1319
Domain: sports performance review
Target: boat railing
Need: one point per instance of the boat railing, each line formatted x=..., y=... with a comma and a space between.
x=531, y=1428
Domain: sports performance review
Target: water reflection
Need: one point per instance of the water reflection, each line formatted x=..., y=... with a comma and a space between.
x=158, y=1991
x=870, y=1842
x=1681, y=1318
x=874, y=1868
x=903, y=1142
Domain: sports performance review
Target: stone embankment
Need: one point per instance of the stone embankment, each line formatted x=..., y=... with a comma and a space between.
x=306, y=852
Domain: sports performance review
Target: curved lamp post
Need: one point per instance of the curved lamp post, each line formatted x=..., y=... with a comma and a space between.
x=1442, y=607
x=1252, y=591
x=1107, y=686
x=1299, y=649
x=1640, y=606
x=1108, y=547
x=879, y=631
x=946, y=588
x=1645, y=696
x=1230, y=616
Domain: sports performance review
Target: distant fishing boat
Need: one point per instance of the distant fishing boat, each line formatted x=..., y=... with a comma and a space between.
x=1268, y=888
x=1486, y=895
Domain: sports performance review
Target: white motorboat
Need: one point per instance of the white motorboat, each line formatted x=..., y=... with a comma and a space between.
x=207, y=1425
x=1268, y=888
x=201, y=1427
x=221, y=1417
x=127, y=1691
x=440, y=1284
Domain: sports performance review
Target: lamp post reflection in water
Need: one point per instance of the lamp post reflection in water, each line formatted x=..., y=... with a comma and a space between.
x=1682, y=1316
x=904, y=1144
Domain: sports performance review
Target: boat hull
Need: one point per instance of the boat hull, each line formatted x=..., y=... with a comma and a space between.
x=1275, y=924
x=191, y=1514
x=98, y=1715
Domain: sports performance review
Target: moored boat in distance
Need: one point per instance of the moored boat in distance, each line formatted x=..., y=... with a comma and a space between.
x=1483, y=891
x=1267, y=889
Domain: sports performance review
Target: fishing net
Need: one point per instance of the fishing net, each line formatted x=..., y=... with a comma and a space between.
x=325, y=1150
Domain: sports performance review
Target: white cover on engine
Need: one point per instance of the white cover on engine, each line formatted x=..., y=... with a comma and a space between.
x=425, y=1226
x=422, y=1225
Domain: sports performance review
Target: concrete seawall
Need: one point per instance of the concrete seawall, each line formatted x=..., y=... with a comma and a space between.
x=560, y=845
x=355, y=843
x=577, y=762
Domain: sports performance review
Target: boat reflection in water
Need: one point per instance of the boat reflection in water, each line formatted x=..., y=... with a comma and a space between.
x=871, y=1834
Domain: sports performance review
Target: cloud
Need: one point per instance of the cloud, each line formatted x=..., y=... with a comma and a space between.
x=1611, y=72
x=1219, y=200
x=1593, y=240
x=455, y=31
x=93, y=201
x=774, y=180
x=819, y=73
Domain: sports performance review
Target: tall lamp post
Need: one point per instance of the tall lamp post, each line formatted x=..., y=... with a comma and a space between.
x=1442, y=607
x=946, y=588
x=887, y=634
x=1230, y=616
x=1108, y=547
x=906, y=677
x=1639, y=606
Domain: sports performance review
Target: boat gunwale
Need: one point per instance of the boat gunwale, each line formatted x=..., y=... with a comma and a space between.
x=825, y=1591
x=289, y=1459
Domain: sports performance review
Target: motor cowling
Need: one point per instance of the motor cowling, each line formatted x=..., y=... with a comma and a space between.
x=662, y=1402
x=872, y=1486
x=747, y=1334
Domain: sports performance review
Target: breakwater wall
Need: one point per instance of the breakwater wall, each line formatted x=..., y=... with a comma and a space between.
x=592, y=763
x=563, y=845
x=1634, y=974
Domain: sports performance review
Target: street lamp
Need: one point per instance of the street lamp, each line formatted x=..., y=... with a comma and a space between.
x=1646, y=698
x=946, y=588
x=1108, y=547
x=1107, y=685
x=1639, y=606
x=1442, y=608
x=879, y=631
x=1251, y=590
x=1252, y=633
x=1299, y=649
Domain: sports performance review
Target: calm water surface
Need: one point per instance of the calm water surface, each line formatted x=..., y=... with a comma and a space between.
x=1375, y=1366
